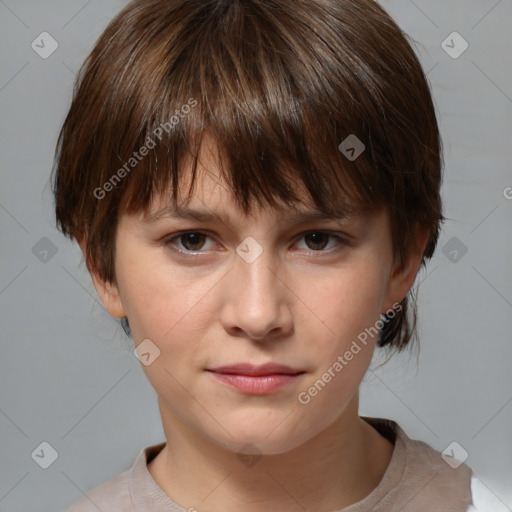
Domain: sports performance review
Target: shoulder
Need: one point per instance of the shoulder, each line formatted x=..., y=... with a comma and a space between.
x=421, y=478
x=114, y=494
x=127, y=491
x=437, y=477
x=446, y=480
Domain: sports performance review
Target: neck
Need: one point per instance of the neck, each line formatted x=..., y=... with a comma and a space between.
x=335, y=469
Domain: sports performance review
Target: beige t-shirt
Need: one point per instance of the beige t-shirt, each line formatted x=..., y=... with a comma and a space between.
x=416, y=480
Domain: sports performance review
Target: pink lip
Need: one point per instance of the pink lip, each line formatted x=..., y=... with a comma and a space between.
x=250, y=369
x=256, y=380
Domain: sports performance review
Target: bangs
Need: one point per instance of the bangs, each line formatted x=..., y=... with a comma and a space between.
x=246, y=79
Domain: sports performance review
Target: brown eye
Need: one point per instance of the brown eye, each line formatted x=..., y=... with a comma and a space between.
x=193, y=240
x=188, y=242
x=322, y=242
x=317, y=240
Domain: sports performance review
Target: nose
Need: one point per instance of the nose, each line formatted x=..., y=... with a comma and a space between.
x=257, y=301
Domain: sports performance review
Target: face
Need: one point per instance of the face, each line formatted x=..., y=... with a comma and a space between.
x=242, y=292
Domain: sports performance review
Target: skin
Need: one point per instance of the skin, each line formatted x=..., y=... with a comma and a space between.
x=301, y=303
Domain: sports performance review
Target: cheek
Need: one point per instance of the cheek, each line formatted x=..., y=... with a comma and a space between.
x=176, y=311
x=345, y=304
x=342, y=353
x=159, y=300
x=340, y=322
x=348, y=306
x=172, y=310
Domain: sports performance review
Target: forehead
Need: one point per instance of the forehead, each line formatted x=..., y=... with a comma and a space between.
x=212, y=200
x=208, y=194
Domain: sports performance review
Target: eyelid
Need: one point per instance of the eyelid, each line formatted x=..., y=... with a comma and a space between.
x=343, y=240
x=167, y=241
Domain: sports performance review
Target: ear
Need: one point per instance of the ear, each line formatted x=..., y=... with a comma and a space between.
x=403, y=275
x=108, y=292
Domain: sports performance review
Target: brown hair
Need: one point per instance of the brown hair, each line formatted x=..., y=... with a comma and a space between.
x=280, y=85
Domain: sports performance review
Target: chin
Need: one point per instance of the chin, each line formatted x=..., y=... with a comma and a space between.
x=258, y=436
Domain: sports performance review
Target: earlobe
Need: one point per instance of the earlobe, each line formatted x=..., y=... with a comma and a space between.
x=107, y=292
x=404, y=275
x=109, y=295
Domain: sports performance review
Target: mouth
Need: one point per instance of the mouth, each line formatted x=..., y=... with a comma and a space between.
x=256, y=380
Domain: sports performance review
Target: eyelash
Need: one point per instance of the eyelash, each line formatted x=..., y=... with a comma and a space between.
x=341, y=241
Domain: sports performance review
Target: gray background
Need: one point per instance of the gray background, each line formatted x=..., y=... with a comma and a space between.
x=67, y=373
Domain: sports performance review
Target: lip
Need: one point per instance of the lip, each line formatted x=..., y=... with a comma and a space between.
x=253, y=370
x=256, y=380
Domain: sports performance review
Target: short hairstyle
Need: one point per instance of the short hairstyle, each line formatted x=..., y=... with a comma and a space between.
x=280, y=85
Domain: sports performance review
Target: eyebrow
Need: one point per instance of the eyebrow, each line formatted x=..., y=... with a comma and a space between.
x=295, y=217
